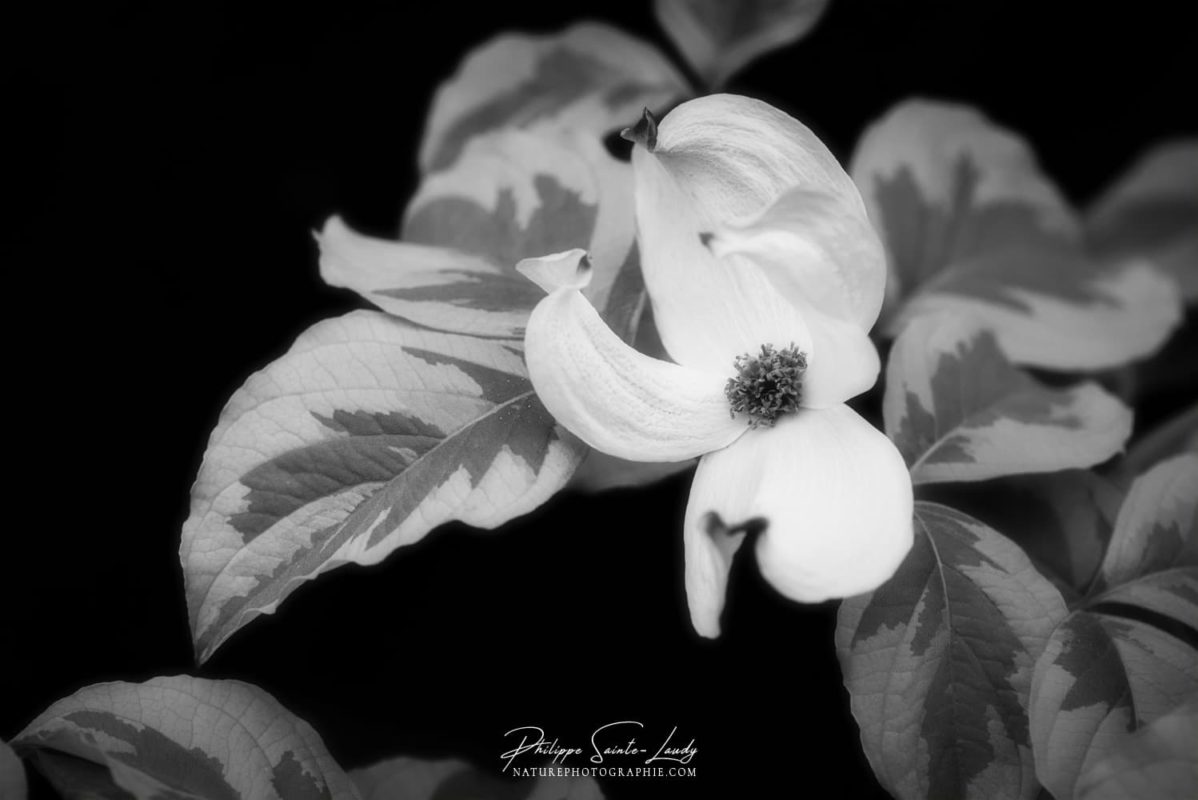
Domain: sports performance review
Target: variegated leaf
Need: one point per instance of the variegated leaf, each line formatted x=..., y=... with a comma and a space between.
x=1099, y=678
x=12, y=775
x=1172, y=593
x=590, y=77
x=512, y=195
x=719, y=38
x=187, y=739
x=406, y=778
x=1152, y=213
x=972, y=226
x=958, y=411
x=1159, y=761
x=1157, y=527
x=365, y=436
x=938, y=662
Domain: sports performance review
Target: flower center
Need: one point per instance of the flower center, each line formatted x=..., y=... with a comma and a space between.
x=768, y=385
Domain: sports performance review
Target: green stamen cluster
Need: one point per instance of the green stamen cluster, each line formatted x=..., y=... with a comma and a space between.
x=767, y=386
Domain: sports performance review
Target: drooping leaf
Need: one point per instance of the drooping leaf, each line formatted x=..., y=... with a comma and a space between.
x=1151, y=213
x=1157, y=527
x=512, y=195
x=1172, y=437
x=1158, y=761
x=12, y=775
x=185, y=738
x=958, y=411
x=719, y=38
x=938, y=662
x=361, y=439
x=404, y=778
x=1100, y=678
x=972, y=226
x=590, y=77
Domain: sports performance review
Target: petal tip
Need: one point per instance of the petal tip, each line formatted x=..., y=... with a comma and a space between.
x=567, y=270
x=644, y=132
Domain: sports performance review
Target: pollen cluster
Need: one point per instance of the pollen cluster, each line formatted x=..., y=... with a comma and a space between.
x=768, y=385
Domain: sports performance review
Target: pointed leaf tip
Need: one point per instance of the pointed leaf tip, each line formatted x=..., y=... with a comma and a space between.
x=644, y=132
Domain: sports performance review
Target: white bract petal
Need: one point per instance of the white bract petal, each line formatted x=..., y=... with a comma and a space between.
x=835, y=499
x=616, y=399
x=816, y=249
x=843, y=361
x=717, y=518
x=708, y=311
x=718, y=162
x=568, y=270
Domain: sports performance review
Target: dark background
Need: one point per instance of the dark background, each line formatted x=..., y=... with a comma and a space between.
x=169, y=167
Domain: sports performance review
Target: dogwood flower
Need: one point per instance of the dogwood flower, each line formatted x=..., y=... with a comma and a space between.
x=765, y=277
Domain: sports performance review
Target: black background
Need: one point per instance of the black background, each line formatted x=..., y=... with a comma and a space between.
x=175, y=161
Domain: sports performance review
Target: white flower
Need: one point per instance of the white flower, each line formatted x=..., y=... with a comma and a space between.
x=765, y=277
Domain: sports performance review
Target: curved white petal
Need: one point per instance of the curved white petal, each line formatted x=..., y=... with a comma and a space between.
x=570, y=269
x=829, y=265
x=816, y=250
x=832, y=494
x=718, y=514
x=842, y=364
x=616, y=399
x=717, y=162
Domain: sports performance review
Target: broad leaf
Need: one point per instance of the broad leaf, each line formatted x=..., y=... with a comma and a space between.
x=361, y=439
x=406, y=778
x=1101, y=677
x=1151, y=213
x=938, y=662
x=512, y=195
x=590, y=77
x=719, y=38
x=1158, y=761
x=958, y=411
x=12, y=775
x=1157, y=527
x=972, y=226
x=184, y=737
